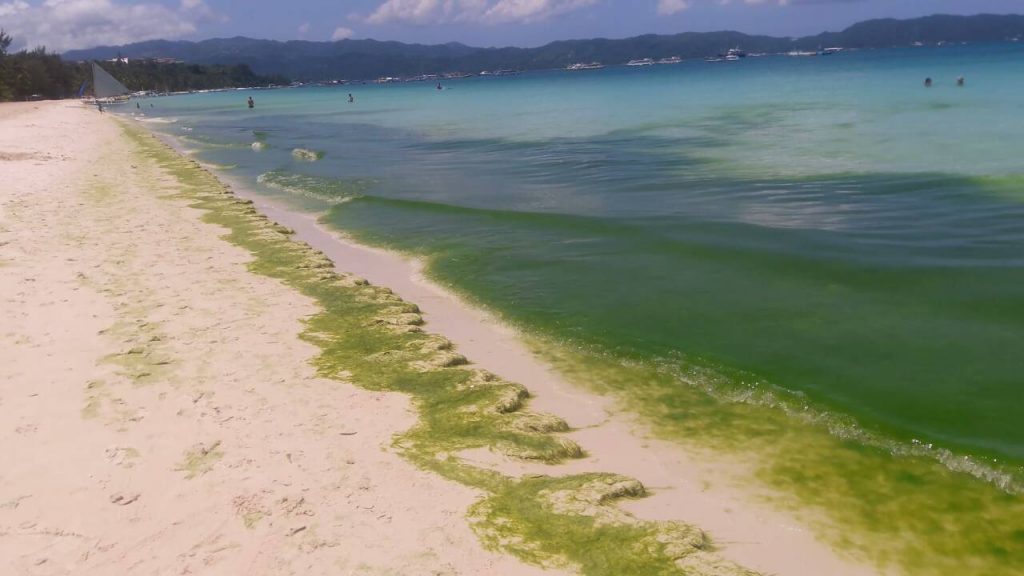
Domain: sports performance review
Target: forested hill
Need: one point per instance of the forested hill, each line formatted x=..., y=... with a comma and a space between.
x=37, y=74
x=362, y=59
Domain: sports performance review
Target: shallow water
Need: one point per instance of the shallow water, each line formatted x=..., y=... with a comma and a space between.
x=821, y=235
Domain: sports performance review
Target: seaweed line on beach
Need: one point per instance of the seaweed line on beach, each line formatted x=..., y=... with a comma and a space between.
x=371, y=338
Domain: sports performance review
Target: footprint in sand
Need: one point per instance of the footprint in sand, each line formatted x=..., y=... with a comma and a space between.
x=124, y=499
x=122, y=456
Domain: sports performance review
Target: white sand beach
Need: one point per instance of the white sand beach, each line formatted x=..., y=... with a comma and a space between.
x=212, y=449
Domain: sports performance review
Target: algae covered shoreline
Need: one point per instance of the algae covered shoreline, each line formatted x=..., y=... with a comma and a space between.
x=823, y=469
x=902, y=507
x=825, y=293
x=370, y=337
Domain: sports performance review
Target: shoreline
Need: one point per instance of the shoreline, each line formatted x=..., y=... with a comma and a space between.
x=538, y=518
x=696, y=488
x=160, y=413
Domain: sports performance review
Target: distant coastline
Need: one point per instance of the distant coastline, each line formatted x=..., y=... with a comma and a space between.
x=371, y=59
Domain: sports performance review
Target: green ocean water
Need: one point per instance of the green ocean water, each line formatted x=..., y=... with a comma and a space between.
x=815, y=262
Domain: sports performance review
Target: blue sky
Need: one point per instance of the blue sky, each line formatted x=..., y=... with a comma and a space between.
x=66, y=24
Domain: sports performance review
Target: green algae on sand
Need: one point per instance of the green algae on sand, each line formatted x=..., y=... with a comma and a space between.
x=371, y=338
x=200, y=459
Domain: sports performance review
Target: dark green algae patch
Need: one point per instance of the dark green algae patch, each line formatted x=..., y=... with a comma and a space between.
x=371, y=338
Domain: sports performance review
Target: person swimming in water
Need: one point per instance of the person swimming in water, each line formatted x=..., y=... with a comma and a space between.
x=927, y=82
x=351, y=98
x=439, y=87
x=960, y=81
x=251, y=103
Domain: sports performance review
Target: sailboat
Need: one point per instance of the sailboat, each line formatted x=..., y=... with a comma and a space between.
x=106, y=89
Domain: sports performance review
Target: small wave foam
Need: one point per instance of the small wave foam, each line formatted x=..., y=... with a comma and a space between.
x=206, y=142
x=1009, y=479
x=157, y=120
x=307, y=155
x=330, y=190
x=258, y=146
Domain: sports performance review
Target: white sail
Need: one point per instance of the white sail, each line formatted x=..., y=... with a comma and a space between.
x=104, y=85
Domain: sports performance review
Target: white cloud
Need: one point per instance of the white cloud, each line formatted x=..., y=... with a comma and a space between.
x=68, y=24
x=485, y=11
x=668, y=7
x=419, y=11
x=10, y=8
x=530, y=10
x=341, y=33
x=201, y=9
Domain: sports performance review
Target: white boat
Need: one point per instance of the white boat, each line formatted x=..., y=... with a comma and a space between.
x=584, y=66
x=730, y=55
x=831, y=51
x=670, y=60
x=643, y=62
x=800, y=54
x=105, y=88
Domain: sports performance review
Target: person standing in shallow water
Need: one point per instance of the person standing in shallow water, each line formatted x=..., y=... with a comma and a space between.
x=927, y=82
x=251, y=103
x=351, y=98
x=960, y=81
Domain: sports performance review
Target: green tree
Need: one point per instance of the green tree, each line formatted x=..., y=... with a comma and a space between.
x=5, y=43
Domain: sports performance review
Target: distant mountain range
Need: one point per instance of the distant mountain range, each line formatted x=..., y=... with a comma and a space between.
x=367, y=59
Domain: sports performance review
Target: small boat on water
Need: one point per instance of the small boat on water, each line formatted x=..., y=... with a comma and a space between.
x=584, y=66
x=800, y=54
x=670, y=60
x=642, y=62
x=730, y=55
x=106, y=89
x=831, y=51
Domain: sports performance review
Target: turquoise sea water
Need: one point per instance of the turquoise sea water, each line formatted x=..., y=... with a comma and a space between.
x=823, y=235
